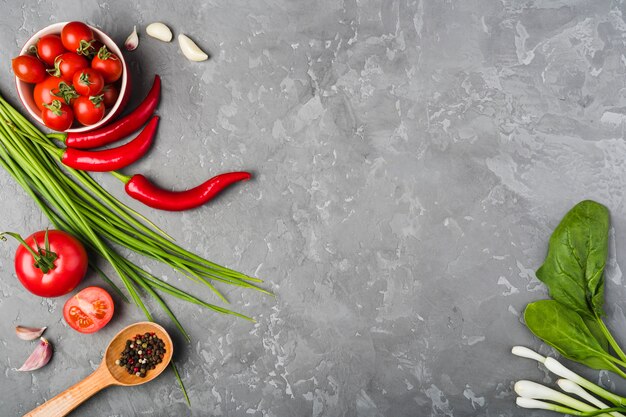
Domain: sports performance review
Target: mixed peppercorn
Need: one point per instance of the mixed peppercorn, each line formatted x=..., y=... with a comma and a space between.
x=142, y=353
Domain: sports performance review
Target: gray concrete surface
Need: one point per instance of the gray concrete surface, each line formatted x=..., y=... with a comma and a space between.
x=411, y=159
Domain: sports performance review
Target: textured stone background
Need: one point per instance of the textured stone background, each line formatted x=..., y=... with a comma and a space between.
x=411, y=160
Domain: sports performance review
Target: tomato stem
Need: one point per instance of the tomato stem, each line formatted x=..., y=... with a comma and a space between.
x=54, y=107
x=86, y=48
x=103, y=53
x=66, y=92
x=44, y=258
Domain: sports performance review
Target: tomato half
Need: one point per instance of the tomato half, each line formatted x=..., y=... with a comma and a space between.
x=76, y=36
x=58, y=116
x=88, y=82
x=67, y=64
x=69, y=264
x=108, y=64
x=89, y=310
x=49, y=47
x=89, y=110
x=29, y=69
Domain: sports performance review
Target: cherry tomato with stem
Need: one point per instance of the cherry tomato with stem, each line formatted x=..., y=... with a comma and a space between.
x=57, y=116
x=53, y=88
x=77, y=37
x=88, y=82
x=66, y=65
x=49, y=263
x=89, y=110
x=89, y=310
x=110, y=94
x=43, y=92
x=29, y=69
x=49, y=47
x=108, y=64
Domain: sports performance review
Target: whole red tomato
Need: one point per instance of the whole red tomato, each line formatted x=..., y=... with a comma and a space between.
x=107, y=64
x=77, y=37
x=88, y=82
x=67, y=64
x=62, y=263
x=110, y=94
x=58, y=116
x=89, y=110
x=43, y=92
x=89, y=310
x=53, y=88
x=29, y=69
x=49, y=47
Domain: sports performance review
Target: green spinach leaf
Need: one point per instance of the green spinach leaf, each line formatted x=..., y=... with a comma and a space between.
x=594, y=327
x=566, y=331
x=574, y=267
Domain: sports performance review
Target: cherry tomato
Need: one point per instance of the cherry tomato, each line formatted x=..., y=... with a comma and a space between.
x=110, y=94
x=89, y=310
x=49, y=47
x=58, y=116
x=88, y=82
x=67, y=64
x=43, y=91
x=89, y=110
x=77, y=37
x=108, y=64
x=65, y=253
x=29, y=69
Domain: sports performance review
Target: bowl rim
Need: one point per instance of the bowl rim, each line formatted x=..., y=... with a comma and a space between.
x=55, y=29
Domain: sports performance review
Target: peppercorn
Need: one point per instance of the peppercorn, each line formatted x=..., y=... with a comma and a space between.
x=141, y=354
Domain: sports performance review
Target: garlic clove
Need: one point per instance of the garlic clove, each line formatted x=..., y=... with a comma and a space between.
x=29, y=333
x=40, y=356
x=190, y=49
x=132, y=42
x=159, y=31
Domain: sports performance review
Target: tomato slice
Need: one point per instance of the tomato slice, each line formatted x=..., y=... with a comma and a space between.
x=89, y=310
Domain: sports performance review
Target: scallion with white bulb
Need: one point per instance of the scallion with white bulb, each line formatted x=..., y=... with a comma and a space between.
x=537, y=396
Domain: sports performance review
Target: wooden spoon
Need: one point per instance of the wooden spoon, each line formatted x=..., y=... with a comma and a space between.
x=108, y=373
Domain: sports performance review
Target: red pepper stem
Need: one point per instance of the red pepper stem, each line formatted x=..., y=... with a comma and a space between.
x=57, y=136
x=124, y=178
x=44, y=258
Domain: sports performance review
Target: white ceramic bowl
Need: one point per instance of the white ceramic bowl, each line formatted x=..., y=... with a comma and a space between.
x=25, y=90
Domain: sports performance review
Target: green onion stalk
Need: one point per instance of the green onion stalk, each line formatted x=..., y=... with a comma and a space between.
x=76, y=203
x=537, y=396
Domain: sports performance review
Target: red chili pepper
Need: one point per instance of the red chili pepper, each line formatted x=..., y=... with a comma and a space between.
x=118, y=130
x=140, y=188
x=115, y=158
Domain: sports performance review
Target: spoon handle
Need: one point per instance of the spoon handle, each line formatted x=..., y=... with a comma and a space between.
x=65, y=402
